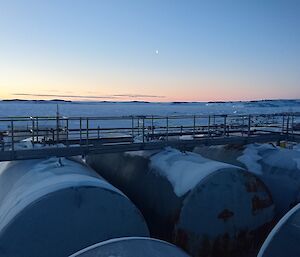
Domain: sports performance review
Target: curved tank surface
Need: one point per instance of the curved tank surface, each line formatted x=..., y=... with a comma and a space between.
x=132, y=247
x=208, y=208
x=56, y=207
x=277, y=167
x=284, y=239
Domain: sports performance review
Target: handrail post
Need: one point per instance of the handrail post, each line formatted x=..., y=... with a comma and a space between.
x=249, y=125
x=132, y=127
x=287, y=124
x=98, y=132
x=87, y=131
x=67, y=132
x=282, y=129
x=167, y=135
x=80, y=130
x=12, y=136
x=152, y=126
x=292, y=126
x=225, y=119
x=53, y=136
x=243, y=125
x=143, y=132
x=194, y=125
x=57, y=130
x=208, y=127
x=32, y=130
x=37, y=129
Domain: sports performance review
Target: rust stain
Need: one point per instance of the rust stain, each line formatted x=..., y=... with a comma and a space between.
x=252, y=186
x=240, y=244
x=225, y=215
x=258, y=204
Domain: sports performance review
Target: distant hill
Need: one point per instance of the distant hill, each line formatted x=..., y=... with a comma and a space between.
x=36, y=101
x=252, y=103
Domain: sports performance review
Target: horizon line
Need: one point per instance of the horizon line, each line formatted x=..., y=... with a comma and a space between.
x=145, y=101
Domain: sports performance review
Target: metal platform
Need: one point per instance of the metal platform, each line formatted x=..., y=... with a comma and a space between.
x=24, y=138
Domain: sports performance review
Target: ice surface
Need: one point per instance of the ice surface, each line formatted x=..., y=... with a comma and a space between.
x=120, y=109
x=184, y=170
x=100, y=109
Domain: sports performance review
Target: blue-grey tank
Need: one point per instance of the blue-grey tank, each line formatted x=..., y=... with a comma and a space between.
x=283, y=241
x=132, y=247
x=277, y=167
x=56, y=207
x=206, y=207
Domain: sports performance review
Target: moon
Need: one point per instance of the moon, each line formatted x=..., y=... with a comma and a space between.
x=156, y=51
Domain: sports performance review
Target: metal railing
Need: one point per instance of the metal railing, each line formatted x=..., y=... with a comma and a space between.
x=60, y=131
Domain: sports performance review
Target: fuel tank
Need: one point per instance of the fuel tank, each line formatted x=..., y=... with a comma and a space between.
x=132, y=247
x=55, y=207
x=284, y=239
x=206, y=207
x=277, y=167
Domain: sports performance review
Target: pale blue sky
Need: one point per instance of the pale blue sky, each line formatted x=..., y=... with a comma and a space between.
x=207, y=50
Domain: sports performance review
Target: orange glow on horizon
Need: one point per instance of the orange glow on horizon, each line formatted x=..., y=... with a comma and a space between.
x=200, y=98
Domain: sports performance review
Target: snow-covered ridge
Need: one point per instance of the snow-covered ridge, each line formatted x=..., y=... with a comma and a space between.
x=184, y=170
x=251, y=157
x=254, y=155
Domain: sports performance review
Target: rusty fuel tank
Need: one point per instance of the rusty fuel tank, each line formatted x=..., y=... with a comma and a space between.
x=277, y=167
x=283, y=241
x=132, y=247
x=56, y=207
x=208, y=208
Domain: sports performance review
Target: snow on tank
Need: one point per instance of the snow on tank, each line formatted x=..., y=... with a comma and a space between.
x=208, y=208
x=132, y=247
x=277, y=167
x=57, y=206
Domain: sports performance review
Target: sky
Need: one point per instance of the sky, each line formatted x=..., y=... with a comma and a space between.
x=150, y=50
